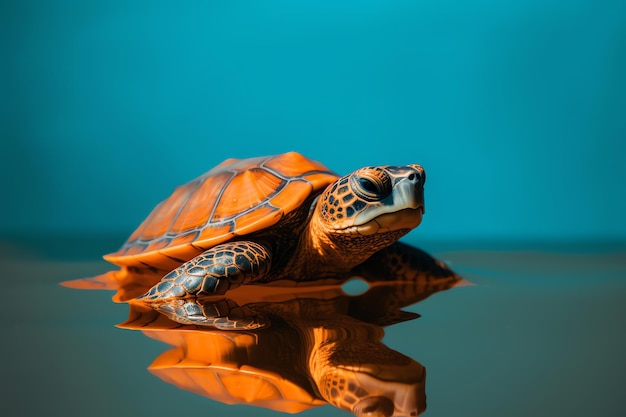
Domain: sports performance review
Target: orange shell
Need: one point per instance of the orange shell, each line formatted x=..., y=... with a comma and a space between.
x=237, y=197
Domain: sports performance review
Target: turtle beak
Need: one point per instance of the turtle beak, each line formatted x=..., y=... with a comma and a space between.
x=410, y=188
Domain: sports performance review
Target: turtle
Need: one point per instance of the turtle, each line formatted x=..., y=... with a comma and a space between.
x=272, y=219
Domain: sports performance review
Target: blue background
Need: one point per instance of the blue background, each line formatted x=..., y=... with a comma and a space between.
x=517, y=109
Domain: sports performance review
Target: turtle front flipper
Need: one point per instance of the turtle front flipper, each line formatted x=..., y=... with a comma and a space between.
x=213, y=272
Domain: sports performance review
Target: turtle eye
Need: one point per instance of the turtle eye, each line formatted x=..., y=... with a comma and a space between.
x=368, y=185
x=371, y=184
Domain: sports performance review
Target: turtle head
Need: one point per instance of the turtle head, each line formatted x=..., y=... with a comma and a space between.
x=374, y=200
x=370, y=209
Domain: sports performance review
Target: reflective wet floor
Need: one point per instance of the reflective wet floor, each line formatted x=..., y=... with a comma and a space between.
x=540, y=332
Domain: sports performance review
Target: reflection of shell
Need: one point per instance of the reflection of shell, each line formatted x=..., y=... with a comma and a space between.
x=239, y=196
x=208, y=364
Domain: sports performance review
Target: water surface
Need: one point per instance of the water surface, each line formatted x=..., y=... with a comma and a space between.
x=540, y=333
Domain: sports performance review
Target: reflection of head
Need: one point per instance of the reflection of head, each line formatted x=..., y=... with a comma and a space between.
x=365, y=377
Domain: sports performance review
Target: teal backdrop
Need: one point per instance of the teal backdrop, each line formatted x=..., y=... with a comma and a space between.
x=517, y=109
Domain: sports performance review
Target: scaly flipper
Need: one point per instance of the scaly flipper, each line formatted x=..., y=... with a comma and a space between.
x=221, y=314
x=213, y=272
x=402, y=262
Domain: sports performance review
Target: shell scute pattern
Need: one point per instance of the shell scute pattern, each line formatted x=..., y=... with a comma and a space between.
x=237, y=197
x=151, y=228
x=201, y=199
x=246, y=191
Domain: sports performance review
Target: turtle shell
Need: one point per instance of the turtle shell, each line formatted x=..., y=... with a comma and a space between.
x=237, y=197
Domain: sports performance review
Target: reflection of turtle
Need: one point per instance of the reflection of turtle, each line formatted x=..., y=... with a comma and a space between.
x=321, y=346
x=272, y=218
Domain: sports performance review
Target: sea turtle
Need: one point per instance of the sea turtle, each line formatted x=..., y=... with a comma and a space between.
x=281, y=217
